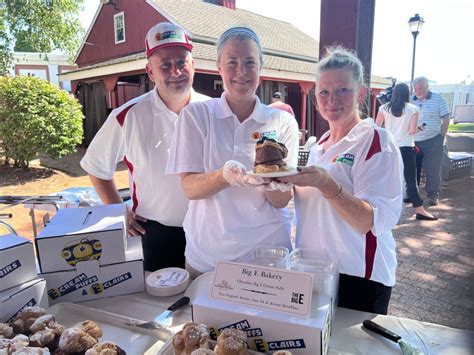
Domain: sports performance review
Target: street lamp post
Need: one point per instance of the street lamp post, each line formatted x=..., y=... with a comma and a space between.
x=415, y=23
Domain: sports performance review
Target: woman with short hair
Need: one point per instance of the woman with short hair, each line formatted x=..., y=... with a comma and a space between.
x=230, y=212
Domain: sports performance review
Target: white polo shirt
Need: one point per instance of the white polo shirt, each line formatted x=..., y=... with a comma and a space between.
x=368, y=164
x=399, y=126
x=139, y=133
x=232, y=222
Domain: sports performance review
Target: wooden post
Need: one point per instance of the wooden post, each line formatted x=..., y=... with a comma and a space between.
x=349, y=23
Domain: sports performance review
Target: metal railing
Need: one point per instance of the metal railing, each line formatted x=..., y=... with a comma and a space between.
x=30, y=200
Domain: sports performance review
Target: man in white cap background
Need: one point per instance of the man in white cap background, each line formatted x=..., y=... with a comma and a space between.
x=139, y=133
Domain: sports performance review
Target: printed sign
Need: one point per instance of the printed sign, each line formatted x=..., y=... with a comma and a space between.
x=263, y=287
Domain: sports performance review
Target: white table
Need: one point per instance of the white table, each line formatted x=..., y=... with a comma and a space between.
x=348, y=336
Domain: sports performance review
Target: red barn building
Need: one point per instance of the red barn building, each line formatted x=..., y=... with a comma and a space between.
x=111, y=60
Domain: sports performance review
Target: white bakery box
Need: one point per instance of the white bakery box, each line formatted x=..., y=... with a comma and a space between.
x=89, y=280
x=269, y=330
x=14, y=299
x=17, y=261
x=79, y=234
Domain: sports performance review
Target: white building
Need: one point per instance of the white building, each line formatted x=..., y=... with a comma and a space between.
x=455, y=94
x=44, y=66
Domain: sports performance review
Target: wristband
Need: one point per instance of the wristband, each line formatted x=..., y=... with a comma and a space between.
x=336, y=196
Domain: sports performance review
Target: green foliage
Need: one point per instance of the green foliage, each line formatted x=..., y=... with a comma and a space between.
x=22, y=43
x=37, y=116
x=461, y=127
x=39, y=26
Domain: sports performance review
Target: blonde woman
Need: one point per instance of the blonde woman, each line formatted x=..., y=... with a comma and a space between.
x=349, y=196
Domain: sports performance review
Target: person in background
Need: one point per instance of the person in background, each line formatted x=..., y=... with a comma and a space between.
x=434, y=114
x=139, y=133
x=349, y=196
x=401, y=118
x=277, y=102
x=231, y=212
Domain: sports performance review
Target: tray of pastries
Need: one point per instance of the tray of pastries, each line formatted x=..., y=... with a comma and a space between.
x=194, y=339
x=68, y=328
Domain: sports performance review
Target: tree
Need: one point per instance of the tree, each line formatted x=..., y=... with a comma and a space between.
x=22, y=44
x=37, y=116
x=40, y=26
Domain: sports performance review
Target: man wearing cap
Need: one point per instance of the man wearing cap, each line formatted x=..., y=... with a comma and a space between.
x=277, y=102
x=139, y=133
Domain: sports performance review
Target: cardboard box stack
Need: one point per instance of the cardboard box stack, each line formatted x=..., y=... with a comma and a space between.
x=83, y=255
x=19, y=284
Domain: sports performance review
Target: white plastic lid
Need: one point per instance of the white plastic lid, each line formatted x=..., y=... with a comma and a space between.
x=167, y=282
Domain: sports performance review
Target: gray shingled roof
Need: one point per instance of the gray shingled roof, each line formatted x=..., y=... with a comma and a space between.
x=208, y=52
x=283, y=43
x=200, y=18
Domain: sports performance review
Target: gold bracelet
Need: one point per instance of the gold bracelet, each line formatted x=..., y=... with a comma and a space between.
x=336, y=196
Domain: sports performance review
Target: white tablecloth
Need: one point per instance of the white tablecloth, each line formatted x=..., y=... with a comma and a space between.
x=348, y=336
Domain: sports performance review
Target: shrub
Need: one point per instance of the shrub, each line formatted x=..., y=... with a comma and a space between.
x=37, y=116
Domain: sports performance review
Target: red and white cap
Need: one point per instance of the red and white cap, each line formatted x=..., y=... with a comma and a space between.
x=166, y=34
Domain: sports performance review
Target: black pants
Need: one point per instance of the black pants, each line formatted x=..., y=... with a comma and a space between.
x=163, y=246
x=409, y=172
x=363, y=295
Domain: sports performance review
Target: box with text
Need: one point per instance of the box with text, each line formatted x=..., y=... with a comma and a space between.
x=90, y=281
x=13, y=300
x=79, y=234
x=269, y=330
x=17, y=261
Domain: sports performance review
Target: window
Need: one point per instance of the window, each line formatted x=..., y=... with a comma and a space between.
x=119, y=27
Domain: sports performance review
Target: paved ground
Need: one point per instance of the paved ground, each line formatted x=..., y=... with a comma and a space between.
x=435, y=276
x=436, y=259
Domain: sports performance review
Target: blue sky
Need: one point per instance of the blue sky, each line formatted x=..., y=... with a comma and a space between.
x=445, y=45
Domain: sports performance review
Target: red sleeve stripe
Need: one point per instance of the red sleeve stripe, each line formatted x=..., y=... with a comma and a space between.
x=134, y=195
x=375, y=146
x=370, y=248
x=121, y=116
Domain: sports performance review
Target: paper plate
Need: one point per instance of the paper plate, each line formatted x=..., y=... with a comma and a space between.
x=277, y=174
x=167, y=282
x=202, y=284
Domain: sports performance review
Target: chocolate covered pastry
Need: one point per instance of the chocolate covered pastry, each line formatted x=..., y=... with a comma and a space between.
x=48, y=321
x=75, y=340
x=105, y=348
x=6, y=331
x=9, y=346
x=231, y=342
x=25, y=318
x=27, y=350
x=192, y=337
x=45, y=338
x=91, y=328
x=203, y=352
x=269, y=156
x=46, y=332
